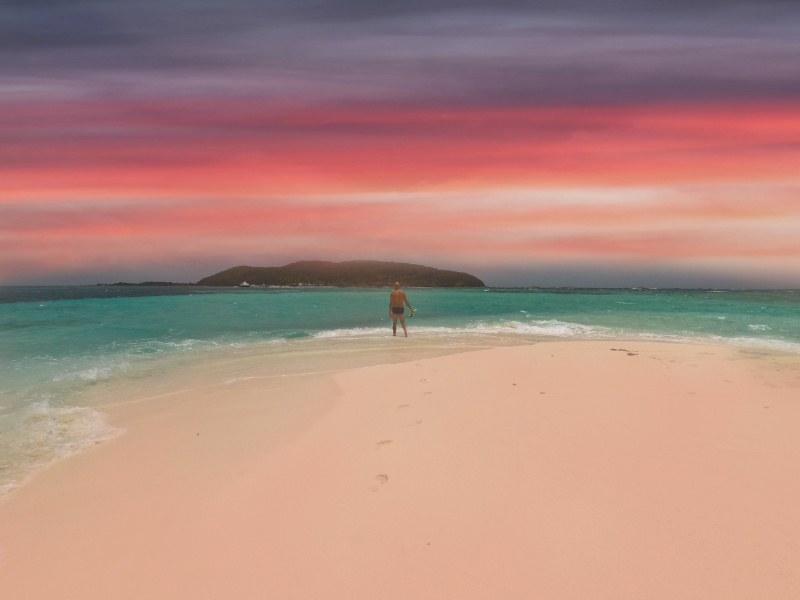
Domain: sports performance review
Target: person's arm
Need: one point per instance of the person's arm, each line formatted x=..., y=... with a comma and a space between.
x=405, y=299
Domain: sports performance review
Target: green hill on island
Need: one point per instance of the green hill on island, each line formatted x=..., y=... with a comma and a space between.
x=356, y=273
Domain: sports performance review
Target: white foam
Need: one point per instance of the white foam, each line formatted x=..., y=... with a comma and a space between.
x=187, y=344
x=354, y=332
x=561, y=329
x=760, y=343
x=759, y=327
x=44, y=434
x=739, y=342
x=93, y=374
x=550, y=328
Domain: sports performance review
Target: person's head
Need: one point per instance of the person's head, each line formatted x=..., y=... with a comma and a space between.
x=396, y=285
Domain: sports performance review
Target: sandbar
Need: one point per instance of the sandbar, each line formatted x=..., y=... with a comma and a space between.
x=560, y=469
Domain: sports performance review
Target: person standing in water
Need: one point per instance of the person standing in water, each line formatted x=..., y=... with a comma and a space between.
x=396, y=300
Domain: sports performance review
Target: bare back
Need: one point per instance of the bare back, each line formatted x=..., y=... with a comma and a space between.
x=397, y=298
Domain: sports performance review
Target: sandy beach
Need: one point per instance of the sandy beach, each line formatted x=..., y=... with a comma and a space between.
x=553, y=470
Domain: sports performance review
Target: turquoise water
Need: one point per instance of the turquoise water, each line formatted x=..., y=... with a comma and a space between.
x=58, y=342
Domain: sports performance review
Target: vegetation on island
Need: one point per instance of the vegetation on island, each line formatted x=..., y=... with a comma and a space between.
x=356, y=273
x=145, y=284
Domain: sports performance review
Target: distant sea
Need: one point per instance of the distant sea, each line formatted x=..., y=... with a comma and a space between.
x=64, y=350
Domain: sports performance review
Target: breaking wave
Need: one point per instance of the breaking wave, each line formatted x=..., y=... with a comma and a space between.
x=554, y=328
x=44, y=434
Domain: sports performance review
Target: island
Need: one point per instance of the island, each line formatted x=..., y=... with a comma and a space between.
x=146, y=284
x=355, y=273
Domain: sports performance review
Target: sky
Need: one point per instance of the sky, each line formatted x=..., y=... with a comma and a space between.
x=608, y=143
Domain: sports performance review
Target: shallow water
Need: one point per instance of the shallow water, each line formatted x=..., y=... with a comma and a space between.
x=65, y=352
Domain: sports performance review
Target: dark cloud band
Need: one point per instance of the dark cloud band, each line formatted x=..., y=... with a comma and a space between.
x=460, y=51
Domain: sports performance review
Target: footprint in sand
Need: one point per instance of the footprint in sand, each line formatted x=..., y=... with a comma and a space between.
x=382, y=443
x=381, y=478
x=427, y=393
x=399, y=406
x=423, y=381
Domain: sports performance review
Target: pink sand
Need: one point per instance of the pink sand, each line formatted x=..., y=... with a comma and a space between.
x=558, y=470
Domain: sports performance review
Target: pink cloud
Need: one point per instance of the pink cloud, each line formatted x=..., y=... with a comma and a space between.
x=215, y=148
x=654, y=226
x=116, y=183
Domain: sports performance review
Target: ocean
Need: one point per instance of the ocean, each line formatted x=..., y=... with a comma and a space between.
x=66, y=352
